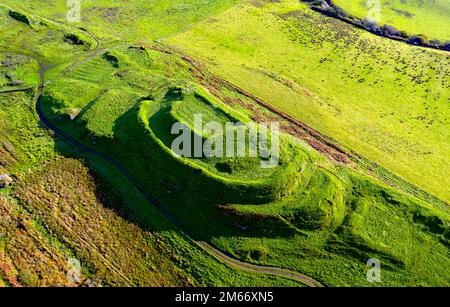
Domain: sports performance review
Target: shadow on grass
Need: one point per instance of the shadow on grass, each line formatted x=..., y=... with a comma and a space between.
x=137, y=177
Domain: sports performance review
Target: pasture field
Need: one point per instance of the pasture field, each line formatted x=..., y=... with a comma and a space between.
x=430, y=18
x=114, y=84
x=324, y=227
x=126, y=21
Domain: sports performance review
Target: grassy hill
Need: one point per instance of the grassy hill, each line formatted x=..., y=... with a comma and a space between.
x=320, y=212
x=335, y=216
x=97, y=216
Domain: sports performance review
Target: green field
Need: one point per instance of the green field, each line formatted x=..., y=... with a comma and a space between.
x=330, y=209
x=119, y=80
x=431, y=18
x=128, y=21
x=383, y=99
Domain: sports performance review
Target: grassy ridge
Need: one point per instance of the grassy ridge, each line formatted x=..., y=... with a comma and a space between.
x=244, y=176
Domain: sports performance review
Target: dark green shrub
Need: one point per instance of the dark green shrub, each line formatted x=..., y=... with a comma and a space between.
x=259, y=253
x=19, y=17
x=114, y=61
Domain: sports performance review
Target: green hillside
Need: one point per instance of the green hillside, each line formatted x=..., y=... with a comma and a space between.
x=102, y=219
x=431, y=18
x=129, y=20
x=86, y=118
x=384, y=99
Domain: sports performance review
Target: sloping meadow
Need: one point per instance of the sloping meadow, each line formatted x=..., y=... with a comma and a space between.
x=328, y=226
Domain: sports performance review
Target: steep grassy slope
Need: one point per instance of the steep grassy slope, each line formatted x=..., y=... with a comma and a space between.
x=431, y=18
x=386, y=100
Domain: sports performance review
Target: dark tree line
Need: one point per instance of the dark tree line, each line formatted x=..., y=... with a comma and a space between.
x=327, y=7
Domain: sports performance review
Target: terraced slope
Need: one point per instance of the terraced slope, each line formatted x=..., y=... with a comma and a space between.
x=239, y=179
x=328, y=215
